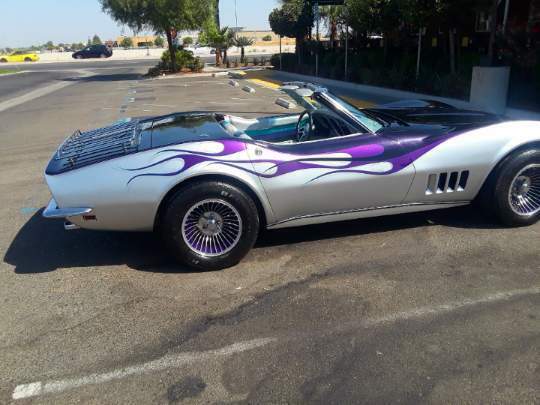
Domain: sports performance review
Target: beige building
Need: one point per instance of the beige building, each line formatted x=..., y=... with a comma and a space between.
x=138, y=41
x=259, y=35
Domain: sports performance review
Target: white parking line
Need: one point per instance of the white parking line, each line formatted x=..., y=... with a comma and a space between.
x=450, y=307
x=168, y=361
x=182, y=359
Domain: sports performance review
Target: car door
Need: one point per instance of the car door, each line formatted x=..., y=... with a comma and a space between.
x=330, y=176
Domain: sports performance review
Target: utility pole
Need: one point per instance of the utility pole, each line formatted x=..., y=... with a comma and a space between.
x=420, y=33
x=506, y=11
x=346, y=51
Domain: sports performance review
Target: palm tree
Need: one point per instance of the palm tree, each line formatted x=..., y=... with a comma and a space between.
x=334, y=17
x=219, y=39
x=242, y=42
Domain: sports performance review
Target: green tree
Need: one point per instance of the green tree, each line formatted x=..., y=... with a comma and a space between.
x=89, y=42
x=334, y=16
x=162, y=16
x=294, y=19
x=219, y=39
x=187, y=41
x=242, y=43
x=49, y=45
x=126, y=43
x=267, y=38
x=377, y=16
x=96, y=40
x=159, y=42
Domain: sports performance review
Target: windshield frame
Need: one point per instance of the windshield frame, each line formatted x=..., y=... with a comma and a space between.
x=339, y=105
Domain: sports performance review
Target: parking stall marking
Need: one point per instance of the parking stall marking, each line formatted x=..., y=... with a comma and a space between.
x=181, y=359
x=169, y=361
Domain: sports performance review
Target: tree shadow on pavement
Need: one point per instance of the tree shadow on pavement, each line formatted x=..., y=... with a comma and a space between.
x=115, y=77
x=43, y=245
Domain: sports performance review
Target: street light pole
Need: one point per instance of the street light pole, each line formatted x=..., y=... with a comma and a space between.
x=236, y=13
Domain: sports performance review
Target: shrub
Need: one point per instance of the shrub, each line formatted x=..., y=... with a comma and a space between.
x=184, y=60
x=255, y=61
x=267, y=38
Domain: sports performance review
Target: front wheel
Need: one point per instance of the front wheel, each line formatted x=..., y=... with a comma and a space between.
x=3, y=60
x=210, y=225
x=517, y=189
x=28, y=59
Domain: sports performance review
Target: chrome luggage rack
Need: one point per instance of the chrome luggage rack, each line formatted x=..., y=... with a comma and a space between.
x=85, y=148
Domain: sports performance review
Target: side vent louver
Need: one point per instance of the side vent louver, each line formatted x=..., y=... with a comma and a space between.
x=442, y=183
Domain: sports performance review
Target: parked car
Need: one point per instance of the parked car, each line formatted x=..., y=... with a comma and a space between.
x=207, y=182
x=93, y=51
x=19, y=56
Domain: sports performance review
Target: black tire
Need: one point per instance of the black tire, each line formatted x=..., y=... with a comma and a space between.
x=502, y=181
x=27, y=59
x=181, y=204
x=3, y=60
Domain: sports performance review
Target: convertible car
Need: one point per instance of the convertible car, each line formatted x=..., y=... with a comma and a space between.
x=209, y=182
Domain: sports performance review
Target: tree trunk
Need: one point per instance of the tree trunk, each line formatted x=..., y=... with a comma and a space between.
x=172, y=51
x=242, y=55
x=493, y=31
x=452, y=45
x=225, y=57
x=333, y=33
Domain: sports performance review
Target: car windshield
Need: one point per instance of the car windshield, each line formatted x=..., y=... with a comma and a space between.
x=321, y=99
x=334, y=102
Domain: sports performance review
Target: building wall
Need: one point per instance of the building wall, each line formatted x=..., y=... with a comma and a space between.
x=259, y=35
x=142, y=39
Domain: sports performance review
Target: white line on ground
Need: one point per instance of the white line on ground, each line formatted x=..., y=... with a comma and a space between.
x=450, y=307
x=165, y=362
x=43, y=91
x=181, y=359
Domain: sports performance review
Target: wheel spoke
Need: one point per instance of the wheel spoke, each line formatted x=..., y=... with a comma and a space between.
x=524, y=194
x=212, y=227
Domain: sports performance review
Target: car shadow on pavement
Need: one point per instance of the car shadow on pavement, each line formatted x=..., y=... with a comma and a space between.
x=43, y=245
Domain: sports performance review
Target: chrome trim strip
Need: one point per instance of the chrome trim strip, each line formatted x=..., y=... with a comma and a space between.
x=328, y=214
x=52, y=211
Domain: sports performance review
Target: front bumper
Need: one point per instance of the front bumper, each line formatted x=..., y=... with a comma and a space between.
x=52, y=211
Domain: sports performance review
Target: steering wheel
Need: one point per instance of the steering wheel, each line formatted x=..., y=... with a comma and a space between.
x=304, y=127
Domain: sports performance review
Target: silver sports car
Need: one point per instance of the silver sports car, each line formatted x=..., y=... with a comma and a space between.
x=209, y=182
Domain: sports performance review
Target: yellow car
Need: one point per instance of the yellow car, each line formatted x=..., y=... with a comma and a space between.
x=19, y=56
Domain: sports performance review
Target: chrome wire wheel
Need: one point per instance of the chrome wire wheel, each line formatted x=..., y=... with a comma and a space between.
x=524, y=193
x=212, y=227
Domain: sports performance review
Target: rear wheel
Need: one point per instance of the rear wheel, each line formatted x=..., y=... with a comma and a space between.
x=79, y=57
x=210, y=225
x=3, y=60
x=28, y=59
x=102, y=56
x=516, y=189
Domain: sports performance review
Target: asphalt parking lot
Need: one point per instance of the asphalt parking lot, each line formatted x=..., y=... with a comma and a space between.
x=440, y=307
